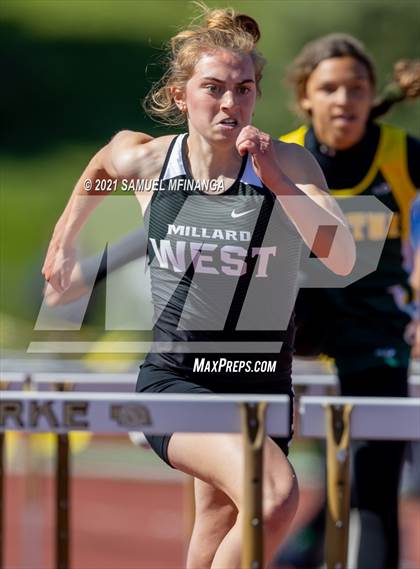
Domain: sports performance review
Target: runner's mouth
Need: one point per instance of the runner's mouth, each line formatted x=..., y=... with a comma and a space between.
x=229, y=123
x=348, y=118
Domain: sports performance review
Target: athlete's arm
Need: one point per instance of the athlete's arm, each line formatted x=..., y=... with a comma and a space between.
x=129, y=248
x=291, y=172
x=128, y=155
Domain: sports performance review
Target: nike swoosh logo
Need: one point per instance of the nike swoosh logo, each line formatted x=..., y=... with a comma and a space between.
x=235, y=215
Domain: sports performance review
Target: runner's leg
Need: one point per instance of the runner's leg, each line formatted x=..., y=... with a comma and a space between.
x=218, y=460
x=215, y=514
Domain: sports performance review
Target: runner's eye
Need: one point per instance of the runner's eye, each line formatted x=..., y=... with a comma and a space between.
x=211, y=88
x=357, y=90
x=244, y=90
x=328, y=88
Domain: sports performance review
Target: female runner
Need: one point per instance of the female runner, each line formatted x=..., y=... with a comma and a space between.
x=205, y=241
x=334, y=84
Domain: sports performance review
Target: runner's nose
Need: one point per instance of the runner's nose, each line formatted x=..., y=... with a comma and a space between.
x=228, y=100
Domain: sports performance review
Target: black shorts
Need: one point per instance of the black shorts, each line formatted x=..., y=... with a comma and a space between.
x=153, y=379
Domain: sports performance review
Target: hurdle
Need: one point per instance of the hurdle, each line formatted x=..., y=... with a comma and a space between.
x=340, y=420
x=310, y=377
x=63, y=412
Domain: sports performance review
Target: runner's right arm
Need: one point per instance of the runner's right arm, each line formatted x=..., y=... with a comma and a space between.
x=131, y=247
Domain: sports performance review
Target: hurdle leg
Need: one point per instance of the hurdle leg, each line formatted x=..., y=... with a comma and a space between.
x=338, y=485
x=253, y=429
x=3, y=387
x=62, y=510
x=62, y=497
x=2, y=504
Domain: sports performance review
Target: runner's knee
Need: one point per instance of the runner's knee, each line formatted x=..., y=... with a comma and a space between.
x=280, y=503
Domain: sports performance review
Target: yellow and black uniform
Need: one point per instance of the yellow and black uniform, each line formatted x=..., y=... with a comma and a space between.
x=367, y=316
x=366, y=320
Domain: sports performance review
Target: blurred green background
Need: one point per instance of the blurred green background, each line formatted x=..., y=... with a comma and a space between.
x=74, y=73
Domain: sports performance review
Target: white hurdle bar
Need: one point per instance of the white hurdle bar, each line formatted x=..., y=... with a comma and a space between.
x=340, y=420
x=60, y=412
x=310, y=383
x=382, y=418
x=63, y=412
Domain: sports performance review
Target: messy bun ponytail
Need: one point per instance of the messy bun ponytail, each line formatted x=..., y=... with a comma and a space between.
x=227, y=20
x=216, y=29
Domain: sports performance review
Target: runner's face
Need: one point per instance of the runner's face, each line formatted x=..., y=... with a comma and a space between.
x=220, y=96
x=339, y=97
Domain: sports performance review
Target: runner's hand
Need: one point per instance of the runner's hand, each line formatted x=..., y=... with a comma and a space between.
x=58, y=266
x=77, y=288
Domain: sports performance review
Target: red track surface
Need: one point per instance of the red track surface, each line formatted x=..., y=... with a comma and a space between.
x=126, y=525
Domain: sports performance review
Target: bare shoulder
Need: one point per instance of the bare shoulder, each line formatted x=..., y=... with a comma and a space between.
x=152, y=155
x=138, y=154
x=299, y=164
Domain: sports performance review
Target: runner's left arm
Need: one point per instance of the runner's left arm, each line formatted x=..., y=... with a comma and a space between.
x=293, y=174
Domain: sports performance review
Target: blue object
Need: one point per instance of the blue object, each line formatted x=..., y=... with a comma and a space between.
x=415, y=222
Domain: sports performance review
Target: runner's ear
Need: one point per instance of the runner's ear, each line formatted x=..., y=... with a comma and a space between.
x=179, y=98
x=305, y=104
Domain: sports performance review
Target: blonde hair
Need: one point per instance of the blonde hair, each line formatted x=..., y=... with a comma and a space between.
x=219, y=29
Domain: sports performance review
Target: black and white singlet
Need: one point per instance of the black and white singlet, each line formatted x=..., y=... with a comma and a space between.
x=224, y=271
